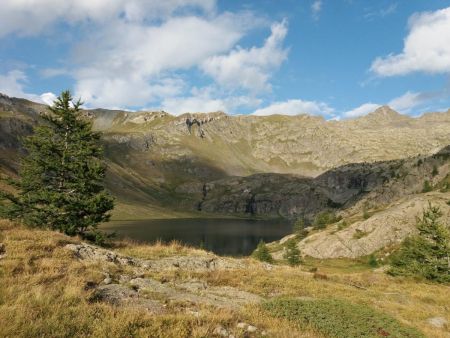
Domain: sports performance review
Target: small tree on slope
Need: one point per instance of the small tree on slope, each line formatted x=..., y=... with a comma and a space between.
x=428, y=253
x=262, y=253
x=292, y=253
x=61, y=177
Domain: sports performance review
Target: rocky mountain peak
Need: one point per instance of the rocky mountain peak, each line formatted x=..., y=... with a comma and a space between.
x=385, y=112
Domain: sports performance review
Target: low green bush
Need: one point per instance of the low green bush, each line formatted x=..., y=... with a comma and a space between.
x=427, y=187
x=324, y=218
x=358, y=234
x=262, y=253
x=298, y=228
x=339, y=318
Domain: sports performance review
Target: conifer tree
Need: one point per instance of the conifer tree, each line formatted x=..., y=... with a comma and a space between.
x=428, y=253
x=262, y=253
x=298, y=228
x=61, y=177
x=292, y=253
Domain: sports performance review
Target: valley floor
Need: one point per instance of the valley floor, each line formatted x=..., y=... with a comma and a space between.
x=56, y=286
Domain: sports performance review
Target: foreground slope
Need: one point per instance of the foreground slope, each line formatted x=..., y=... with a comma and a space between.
x=56, y=286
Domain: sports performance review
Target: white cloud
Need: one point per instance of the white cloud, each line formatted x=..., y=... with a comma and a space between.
x=363, y=109
x=12, y=84
x=124, y=63
x=402, y=104
x=193, y=104
x=134, y=53
x=426, y=48
x=207, y=100
x=407, y=101
x=295, y=107
x=32, y=17
x=316, y=7
x=249, y=69
x=48, y=98
x=117, y=92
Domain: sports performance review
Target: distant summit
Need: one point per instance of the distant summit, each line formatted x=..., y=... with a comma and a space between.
x=385, y=112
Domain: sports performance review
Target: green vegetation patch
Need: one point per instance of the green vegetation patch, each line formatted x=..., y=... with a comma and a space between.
x=338, y=318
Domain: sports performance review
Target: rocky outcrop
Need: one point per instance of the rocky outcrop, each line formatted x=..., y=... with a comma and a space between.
x=351, y=187
x=201, y=263
x=136, y=290
x=153, y=295
x=383, y=229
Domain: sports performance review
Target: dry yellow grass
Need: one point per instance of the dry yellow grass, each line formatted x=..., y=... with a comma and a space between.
x=158, y=249
x=43, y=294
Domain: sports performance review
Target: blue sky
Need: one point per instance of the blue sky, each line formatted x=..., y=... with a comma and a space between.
x=335, y=58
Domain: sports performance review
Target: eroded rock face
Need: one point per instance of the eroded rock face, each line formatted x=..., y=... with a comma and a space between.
x=385, y=228
x=350, y=188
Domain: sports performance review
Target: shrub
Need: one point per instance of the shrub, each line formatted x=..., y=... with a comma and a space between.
x=427, y=254
x=373, y=262
x=358, y=234
x=299, y=229
x=427, y=187
x=342, y=225
x=262, y=253
x=324, y=218
x=366, y=214
x=292, y=253
x=435, y=171
x=340, y=319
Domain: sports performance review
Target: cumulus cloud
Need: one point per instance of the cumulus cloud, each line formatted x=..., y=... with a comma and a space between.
x=48, y=98
x=131, y=64
x=251, y=68
x=403, y=104
x=12, y=84
x=426, y=48
x=295, y=107
x=207, y=100
x=363, y=109
x=33, y=17
x=135, y=53
x=408, y=101
x=316, y=7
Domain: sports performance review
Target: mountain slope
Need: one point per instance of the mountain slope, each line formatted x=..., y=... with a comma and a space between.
x=160, y=164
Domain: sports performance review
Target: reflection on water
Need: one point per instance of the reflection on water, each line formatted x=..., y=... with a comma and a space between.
x=233, y=237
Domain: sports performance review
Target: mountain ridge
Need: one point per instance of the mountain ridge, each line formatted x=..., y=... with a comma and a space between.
x=159, y=160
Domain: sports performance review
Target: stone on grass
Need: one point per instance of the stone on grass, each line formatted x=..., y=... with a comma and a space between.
x=438, y=322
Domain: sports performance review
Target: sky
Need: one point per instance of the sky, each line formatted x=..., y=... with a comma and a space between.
x=335, y=58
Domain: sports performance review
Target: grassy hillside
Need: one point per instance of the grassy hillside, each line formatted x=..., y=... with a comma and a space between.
x=48, y=292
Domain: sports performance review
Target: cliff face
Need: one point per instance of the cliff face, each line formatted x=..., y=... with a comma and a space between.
x=277, y=165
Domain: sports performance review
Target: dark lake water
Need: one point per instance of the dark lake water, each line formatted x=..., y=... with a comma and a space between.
x=231, y=237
